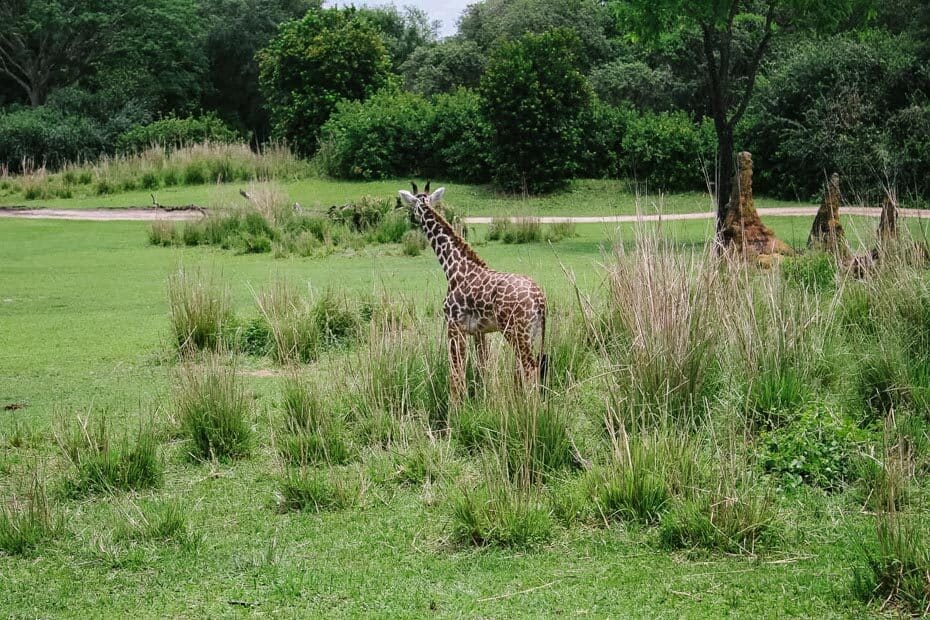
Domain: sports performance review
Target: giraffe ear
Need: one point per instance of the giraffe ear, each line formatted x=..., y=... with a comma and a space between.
x=407, y=197
x=436, y=196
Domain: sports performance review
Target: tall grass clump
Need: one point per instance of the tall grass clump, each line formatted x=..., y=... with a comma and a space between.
x=200, y=309
x=213, y=411
x=312, y=430
x=895, y=570
x=318, y=490
x=27, y=521
x=661, y=328
x=501, y=515
x=783, y=341
x=401, y=376
x=104, y=461
x=165, y=521
x=520, y=230
x=301, y=327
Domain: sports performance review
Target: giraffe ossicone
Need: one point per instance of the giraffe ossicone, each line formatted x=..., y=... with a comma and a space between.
x=481, y=300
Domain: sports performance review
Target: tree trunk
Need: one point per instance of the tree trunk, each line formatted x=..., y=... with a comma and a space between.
x=723, y=174
x=35, y=97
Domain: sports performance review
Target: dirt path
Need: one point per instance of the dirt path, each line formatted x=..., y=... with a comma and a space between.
x=103, y=215
x=149, y=214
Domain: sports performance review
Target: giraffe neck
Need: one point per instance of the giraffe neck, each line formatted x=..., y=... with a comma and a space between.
x=455, y=255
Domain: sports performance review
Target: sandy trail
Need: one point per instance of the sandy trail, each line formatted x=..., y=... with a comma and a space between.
x=151, y=214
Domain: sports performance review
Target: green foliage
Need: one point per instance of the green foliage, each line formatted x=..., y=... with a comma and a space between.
x=313, y=63
x=414, y=242
x=161, y=522
x=235, y=30
x=312, y=431
x=815, y=448
x=175, y=132
x=200, y=310
x=394, y=133
x=524, y=230
x=377, y=138
x=667, y=149
x=27, y=522
x=533, y=95
x=104, y=463
x=501, y=516
x=213, y=411
x=895, y=565
x=444, y=67
x=736, y=523
x=840, y=104
x=459, y=138
x=601, y=153
x=403, y=31
x=45, y=137
x=491, y=22
x=628, y=492
x=815, y=271
x=304, y=489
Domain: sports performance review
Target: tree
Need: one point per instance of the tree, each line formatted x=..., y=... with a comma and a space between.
x=147, y=49
x=47, y=43
x=534, y=96
x=725, y=25
x=443, y=67
x=492, y=21
x=236, y=31
x=312, y=64
x=403, y=31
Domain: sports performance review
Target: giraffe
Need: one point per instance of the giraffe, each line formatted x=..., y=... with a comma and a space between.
x=480, y=300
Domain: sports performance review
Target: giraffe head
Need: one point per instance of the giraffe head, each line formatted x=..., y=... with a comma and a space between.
x=418, y=201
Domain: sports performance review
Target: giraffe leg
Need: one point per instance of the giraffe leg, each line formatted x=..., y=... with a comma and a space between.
x=527, y=366
x=457, y=346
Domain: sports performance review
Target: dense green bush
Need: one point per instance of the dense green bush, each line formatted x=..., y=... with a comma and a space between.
x=839, y=104
x=384, y=136
x=533, y=95
x=601, y=151
x=312, y=64
x=175, y=132
x=668, y=149
x=459, y=139
x=45, y=136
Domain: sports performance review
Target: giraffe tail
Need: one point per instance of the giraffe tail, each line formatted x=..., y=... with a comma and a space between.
x=543, y=357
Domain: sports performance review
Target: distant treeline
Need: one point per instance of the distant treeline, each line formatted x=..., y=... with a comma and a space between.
x=526, y=94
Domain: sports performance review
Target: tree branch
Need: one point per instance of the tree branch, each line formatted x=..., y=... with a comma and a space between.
x=755, y=63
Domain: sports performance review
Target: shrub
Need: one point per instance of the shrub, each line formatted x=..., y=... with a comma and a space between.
x=172, y=132
x=601, y=151
x=213, y=411
x=254, y=338
x=46, y=137
x=337, y=321
x=533, y=94
x=159, y=521
x=523, y=230
x=313, y=433
x=200, y=309
x=459, y=139
x=104, y=463
x=667, y=149
x=815, y=448
x=26, y=523
x=378, y=138
x=629, y=492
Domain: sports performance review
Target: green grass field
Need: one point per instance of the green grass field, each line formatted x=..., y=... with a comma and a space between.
x=84, y=325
